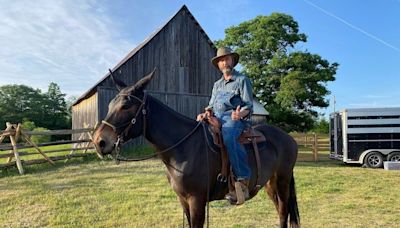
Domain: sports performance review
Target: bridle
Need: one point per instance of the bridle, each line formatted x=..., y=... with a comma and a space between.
x=120, y=136
x=132, y=122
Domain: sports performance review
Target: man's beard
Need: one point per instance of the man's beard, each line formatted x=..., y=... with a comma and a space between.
x=227, y=70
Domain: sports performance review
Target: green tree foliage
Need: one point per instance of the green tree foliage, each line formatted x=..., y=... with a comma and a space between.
x=40, y=138
x=20, y=104
x=57, y=108
x=321, y=126
x=290, y=83
x=28, y=125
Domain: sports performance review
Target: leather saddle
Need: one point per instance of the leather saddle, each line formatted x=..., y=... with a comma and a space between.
x=248, y=136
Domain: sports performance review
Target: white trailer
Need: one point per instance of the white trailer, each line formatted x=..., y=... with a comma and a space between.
x=366, y=136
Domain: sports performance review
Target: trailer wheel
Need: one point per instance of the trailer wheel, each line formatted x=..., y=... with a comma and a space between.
x=374, y=160
x=394, y=156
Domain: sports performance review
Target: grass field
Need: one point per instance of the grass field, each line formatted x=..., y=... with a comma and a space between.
x=92, y=193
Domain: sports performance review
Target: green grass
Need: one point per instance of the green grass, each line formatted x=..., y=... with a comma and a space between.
x=93, y=193
x=39, y=156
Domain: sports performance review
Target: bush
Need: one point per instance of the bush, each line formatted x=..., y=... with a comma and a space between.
x=40, y=138
x=28, y=125
x=321, y=126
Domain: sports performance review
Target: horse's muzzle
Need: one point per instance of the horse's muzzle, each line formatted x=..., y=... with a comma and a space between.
x=104, y=146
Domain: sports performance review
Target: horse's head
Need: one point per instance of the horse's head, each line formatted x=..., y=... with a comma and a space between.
x=125, y=118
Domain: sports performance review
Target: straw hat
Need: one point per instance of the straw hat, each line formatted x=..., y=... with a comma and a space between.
x=224, y=51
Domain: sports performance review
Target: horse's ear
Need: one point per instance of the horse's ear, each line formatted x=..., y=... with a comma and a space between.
x=142, y=83
x=119, y=84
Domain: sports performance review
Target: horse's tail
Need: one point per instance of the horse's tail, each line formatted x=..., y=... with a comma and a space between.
x=294, y=215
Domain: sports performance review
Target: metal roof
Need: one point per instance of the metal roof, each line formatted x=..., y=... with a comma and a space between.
x=258, y=109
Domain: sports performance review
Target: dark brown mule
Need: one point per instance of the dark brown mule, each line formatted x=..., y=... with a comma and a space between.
x=192, y=166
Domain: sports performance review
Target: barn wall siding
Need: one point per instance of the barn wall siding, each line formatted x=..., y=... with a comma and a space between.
x=85, y=114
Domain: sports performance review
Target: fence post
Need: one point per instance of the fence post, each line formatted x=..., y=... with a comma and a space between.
x=305, y=140
x=15, y=150
x=315, y=147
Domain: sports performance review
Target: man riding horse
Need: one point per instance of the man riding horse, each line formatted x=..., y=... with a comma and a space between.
x=232, y=103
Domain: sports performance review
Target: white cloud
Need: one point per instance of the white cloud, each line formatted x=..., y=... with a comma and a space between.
x=72, y=43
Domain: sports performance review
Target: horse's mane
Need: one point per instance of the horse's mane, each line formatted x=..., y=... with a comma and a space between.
x=182, y=118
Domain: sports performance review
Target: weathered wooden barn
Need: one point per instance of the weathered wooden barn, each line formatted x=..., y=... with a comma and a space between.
x=180, y=50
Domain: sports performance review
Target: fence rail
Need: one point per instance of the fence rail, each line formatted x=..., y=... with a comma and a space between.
x=316, y=142
x=15, y=133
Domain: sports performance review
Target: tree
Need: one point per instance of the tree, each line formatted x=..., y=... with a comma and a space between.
x=290, y=83
x=56, y=107
x=18, y=102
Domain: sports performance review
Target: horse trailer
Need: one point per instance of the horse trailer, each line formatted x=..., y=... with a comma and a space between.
x=367, y=136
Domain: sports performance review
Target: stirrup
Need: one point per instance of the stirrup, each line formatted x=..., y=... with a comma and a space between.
x=222, y=178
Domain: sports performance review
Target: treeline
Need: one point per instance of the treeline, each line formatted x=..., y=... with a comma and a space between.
x=34, y=108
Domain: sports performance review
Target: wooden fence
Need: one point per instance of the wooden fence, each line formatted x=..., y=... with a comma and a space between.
x=312, y=141
x=15, y=133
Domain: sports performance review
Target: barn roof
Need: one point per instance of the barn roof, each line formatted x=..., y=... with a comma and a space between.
x=93, y=89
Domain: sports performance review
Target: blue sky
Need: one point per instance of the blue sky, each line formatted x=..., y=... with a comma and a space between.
x=74, y=42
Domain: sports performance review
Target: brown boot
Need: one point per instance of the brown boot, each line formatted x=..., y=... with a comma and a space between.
x=239, y=194
x=242, y=191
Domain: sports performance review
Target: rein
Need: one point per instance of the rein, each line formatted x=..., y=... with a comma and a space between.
x=118, y=157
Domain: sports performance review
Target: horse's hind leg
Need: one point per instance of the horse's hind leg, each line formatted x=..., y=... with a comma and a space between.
x=287, y=202
x=271, y=190
x=277, y=189
x=283, y=185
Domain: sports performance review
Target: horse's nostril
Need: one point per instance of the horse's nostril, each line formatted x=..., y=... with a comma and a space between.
x=102, y=144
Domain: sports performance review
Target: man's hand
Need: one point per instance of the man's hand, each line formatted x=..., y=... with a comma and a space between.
x=239, y=114
x=200, y=117
x=208, y=113
x=236, y=114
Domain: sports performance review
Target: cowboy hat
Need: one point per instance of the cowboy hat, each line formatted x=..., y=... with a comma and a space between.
x=224, y=51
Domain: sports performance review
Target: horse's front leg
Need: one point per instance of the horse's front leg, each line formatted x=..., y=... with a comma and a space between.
x=197, y=205
x=185, y=207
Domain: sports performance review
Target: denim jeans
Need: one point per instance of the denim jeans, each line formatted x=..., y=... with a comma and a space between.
x=231, y=131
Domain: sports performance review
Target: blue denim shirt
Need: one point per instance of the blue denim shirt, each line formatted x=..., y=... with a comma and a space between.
x=238, y=90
